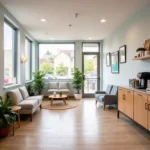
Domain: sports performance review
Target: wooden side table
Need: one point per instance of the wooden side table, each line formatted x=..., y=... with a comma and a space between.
x=17, y=110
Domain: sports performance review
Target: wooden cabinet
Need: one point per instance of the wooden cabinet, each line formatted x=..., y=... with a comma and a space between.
x=148, y=113
x=136, y=105
x=125, y=101
x=121, y=98
x=129, y=103
x=140, y=109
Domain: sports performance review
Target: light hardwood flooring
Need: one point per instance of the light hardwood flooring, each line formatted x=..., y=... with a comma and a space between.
x=86, y=127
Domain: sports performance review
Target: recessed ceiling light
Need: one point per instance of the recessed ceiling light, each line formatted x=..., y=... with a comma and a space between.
x=51, y=38
x=43, y=20
x=90, y=38
x=103, y=20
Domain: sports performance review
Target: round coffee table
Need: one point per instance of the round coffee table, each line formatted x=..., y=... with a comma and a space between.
x=57, y=97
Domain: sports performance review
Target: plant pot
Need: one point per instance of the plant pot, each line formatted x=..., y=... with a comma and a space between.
x=78, y=96
x=4, y=132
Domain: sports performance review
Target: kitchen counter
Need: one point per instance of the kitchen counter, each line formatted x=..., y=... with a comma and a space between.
x=136, y=90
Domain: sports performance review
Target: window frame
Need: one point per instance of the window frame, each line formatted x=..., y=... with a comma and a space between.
x=30, y=58
x=15, y=50
x=72, y=42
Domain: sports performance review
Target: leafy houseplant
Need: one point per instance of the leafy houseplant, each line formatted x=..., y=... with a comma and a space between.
x=60, y=93
x=78, y=82
x=140, y=50
x=30, y=89
x=7, y=117
x=38, y=81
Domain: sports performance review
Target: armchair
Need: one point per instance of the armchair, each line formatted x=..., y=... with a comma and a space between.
x=109, y=97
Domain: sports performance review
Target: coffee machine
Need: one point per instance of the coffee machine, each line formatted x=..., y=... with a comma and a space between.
x=143, y=77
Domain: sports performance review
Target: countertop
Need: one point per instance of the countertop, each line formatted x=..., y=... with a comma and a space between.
x=136, y=90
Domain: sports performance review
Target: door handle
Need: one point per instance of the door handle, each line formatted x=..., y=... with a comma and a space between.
x=146, y=106
x=123, y=97
x=139, y=95
x=149, y=107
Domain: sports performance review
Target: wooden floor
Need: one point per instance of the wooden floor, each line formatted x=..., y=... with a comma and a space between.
x=86, y=127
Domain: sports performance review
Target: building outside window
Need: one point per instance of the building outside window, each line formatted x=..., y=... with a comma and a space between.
x=56, y=60
x=10, y=57
x=28, y=64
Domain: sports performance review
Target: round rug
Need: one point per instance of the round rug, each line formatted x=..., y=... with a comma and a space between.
x=59, y=104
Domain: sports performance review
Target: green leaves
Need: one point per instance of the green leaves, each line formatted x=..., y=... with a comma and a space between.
x=6, y=114
x=78, y=82
x=38, y=82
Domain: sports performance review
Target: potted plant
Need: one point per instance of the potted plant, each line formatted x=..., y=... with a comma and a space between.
x=38, y=81
x=30, y=89
x=60, y=93
x=78, y=83
x=7, y=117
x=140, y=51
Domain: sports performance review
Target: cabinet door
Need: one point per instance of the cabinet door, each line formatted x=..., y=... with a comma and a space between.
x=121, y=99
x=129, y=103
x=149, y=113
x=140, y=109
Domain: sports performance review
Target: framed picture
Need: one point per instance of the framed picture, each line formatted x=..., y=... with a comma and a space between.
x=122, y=54
x=115, y=62
x=108, y=59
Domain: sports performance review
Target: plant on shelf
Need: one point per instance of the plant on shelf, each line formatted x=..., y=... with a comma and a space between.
x=7, y=117
x=30, y=89
x=38, y=81
x=78, y=82
x=60, y=93
x=140, y=50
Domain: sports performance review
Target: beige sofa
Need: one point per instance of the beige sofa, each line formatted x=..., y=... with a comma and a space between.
x=58, y=86
x=29, y=104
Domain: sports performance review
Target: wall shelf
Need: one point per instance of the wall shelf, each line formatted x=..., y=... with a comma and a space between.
x=141, y=58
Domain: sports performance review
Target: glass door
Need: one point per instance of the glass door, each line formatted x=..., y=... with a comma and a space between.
x=91, y=74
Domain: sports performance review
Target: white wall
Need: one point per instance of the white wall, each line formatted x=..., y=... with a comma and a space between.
x=21, y=49
x=132, y=33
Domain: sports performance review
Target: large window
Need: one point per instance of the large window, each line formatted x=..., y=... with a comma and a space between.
x=28, y=64
x=56, y=60
x=10, y=57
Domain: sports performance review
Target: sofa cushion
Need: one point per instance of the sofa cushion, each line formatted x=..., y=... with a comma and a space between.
x=39, y=98
x=53, y=85
x=63, y=85
x=108, y=89
x=52, y=90
x=15, y=96
x=24, y=92
x=28, y=104
x=99, y=97
x=64, y=90
x=114, y=90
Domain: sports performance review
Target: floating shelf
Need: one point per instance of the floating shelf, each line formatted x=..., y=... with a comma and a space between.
x=141, y=58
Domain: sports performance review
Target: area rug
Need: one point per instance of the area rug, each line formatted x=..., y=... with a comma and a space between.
x=59, y=105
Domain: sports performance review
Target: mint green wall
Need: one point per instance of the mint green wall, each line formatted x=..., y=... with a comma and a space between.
x=132, y=33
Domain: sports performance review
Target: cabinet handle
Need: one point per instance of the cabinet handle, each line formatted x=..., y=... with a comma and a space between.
x=149, y=107
x=124, y=97
x=146, y=106
x=139, y=95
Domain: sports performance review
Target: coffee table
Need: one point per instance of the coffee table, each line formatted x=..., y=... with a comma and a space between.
x=57, y=97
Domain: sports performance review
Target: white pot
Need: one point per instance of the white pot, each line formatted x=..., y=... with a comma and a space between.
x=78, y=96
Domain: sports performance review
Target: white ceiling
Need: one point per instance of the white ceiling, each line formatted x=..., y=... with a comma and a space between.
x=60, y=13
